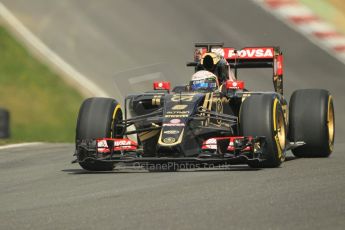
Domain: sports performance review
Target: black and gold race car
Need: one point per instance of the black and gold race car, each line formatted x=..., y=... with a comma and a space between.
x=212, y=121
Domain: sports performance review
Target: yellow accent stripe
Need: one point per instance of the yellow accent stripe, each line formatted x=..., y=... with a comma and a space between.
x=207, y=105
x=210, y=102
x=147, y=135
x=206, y=100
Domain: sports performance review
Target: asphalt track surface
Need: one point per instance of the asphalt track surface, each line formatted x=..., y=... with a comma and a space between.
x=127, y=43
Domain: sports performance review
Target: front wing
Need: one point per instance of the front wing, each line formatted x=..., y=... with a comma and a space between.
x=214, y=152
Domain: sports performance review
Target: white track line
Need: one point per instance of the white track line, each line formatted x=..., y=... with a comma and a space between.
x=53, y=58
x=147, y=77
x=11, y=146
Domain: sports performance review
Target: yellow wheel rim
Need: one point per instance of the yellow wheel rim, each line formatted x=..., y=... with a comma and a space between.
x=279, y=128
x=117, y=108
x=330, y=122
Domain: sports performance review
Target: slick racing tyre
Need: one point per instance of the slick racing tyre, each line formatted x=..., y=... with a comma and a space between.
x=97, y=119
x=262, y=115
x=312, y=121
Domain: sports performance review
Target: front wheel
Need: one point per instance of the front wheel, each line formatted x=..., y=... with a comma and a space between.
x=97, y=119
x=262, y=115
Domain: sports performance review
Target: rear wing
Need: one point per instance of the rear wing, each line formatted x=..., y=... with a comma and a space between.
x=248, y=57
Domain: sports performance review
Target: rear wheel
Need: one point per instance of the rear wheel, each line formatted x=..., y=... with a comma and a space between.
x=312, y=121
x=262, y=115
x=97, y=119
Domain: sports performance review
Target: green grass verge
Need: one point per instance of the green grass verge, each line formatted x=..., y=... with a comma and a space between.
x=42, y=107
x=332, y=11
x=321, y=8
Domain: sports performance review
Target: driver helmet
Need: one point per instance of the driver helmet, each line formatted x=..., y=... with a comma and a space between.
x=204, y=81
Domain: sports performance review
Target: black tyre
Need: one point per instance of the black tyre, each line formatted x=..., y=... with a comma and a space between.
x=98, y=118
x=262, y=115
x=312, y=121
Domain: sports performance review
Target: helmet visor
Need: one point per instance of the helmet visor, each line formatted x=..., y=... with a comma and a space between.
x=209, y=84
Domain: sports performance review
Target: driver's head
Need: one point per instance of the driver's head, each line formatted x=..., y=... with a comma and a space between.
x=210, y=60
x=204, y=81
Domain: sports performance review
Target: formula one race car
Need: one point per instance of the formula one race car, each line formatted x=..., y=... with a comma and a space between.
x=211, y=121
